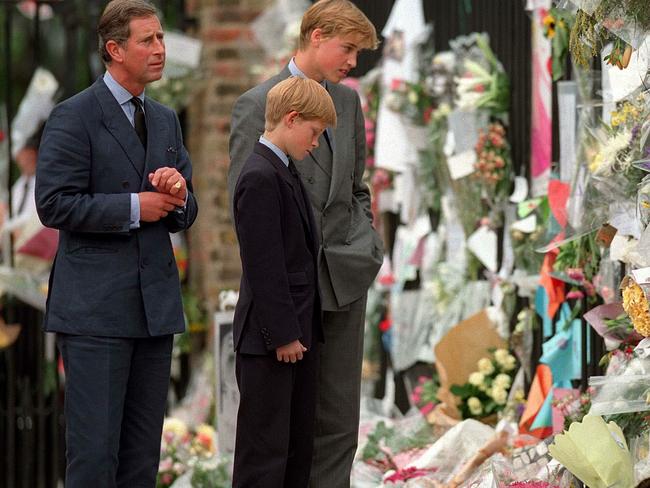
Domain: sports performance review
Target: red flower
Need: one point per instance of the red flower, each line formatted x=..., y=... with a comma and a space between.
x=2, y=136
x=396, y=84
x=385, y=324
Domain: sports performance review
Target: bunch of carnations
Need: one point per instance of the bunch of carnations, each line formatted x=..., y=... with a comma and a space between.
x=493, y=162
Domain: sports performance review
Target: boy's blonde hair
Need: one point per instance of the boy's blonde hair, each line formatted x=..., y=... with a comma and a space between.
x=303, y=95
x=337, y=18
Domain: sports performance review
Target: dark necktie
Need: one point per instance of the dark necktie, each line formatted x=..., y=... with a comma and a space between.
x=139, y=121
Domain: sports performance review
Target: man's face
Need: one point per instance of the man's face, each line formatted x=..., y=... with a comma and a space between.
x=336, y=56
x=304, y=137
x=143, y=54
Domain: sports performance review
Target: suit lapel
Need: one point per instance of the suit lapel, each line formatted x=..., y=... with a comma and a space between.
x=118, y=125
x=341, y=138
x=265, y=152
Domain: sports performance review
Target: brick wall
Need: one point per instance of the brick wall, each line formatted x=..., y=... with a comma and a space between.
x=228, y=52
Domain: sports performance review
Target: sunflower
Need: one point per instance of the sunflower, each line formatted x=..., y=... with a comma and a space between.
x=549, y=26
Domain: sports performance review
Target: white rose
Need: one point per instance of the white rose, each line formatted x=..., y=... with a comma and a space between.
x=500, y=395
x=485, y=366
x=502, y=381
x=475, y=406
x=500, y=355
x=175, y=425
x=476, y=378
x=510, y=363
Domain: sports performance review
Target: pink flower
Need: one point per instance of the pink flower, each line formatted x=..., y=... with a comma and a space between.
x=607, y=294
x=575, y=294
x=427, y=408
x=479, y=88
x=167, y=479
x=409, y=473
x=575, y=274
x=165, y=464
x=418, y=390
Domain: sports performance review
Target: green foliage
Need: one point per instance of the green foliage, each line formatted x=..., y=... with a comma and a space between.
x=581, y=253
x=589, y=33
x=210, y=474
x=384, y=441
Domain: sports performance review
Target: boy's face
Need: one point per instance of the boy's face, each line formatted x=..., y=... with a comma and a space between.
x=334, y=57
x=303, y=136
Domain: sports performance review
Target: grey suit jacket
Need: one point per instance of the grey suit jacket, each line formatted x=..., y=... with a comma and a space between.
x=109, y=280
x=351, y=251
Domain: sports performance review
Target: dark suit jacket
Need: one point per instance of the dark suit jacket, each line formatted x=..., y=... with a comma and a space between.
x=351, y=250
x=278, y=298
x=108, y=280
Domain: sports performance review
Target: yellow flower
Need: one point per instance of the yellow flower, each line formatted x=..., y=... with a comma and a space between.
x=635, y=304
x=476, y=378
x=500, y=395
x=475, y=406
x=485, y=366
x=596, y=163
x=503, y=381
x=175, y=425
x=549, y=26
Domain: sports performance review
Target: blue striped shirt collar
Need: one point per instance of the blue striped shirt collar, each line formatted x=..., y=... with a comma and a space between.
x=278, y=152
x=121, y=94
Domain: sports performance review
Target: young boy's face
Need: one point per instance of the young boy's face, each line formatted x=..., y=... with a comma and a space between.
x=336, y=56
x=304, y=137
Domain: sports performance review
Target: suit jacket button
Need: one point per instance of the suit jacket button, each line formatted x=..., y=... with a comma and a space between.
x=125, y=184
x=348, y=242
x=311, y=180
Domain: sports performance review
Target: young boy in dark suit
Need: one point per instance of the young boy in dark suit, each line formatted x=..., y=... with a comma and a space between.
x=277, y=324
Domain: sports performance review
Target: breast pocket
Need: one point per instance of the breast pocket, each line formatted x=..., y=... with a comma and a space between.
x=171, y=156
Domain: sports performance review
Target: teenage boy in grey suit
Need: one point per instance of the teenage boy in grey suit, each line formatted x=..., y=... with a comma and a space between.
x=350, y=252
x=114, y=177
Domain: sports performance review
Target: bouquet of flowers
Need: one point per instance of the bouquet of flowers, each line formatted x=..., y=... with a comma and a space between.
x=425, y=394
x=612, y=156
x=483, y=83
x=486, y=391
x=557, y=25
x=493, y=164
x=393, y=447
x=181, y=448
x=625, y=22
x=412, y=100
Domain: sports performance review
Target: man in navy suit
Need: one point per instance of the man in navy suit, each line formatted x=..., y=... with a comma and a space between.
x=114, y=177
x=277, y=324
